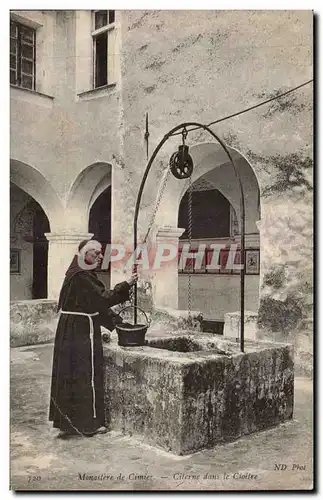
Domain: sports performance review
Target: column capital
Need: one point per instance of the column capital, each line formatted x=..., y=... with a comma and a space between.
x=66, y=237
x=169, y=232
x=62, y=248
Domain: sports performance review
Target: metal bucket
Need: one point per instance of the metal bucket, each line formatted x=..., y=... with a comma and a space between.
x=132, y=335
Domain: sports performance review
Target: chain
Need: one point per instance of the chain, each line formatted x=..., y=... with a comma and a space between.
x=68, y=419
x=131, y=296
x=161, y=192
x=189, y=282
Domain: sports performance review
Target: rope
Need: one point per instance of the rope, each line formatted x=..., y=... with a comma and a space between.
x=251, y=107
x=161, y=192
x=190, y=222
x=260, y=104
x=67, y=418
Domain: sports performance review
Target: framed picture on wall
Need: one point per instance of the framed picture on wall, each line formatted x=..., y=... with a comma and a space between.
x=237, y=260
x=183, y=269
x=224, y=254
x=189, y=267
x=252, y=261
x=14, y=261
x=208, y=261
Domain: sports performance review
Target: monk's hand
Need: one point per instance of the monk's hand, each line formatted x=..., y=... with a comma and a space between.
x=134, y=278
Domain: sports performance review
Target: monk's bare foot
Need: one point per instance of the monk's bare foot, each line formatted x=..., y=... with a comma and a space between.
x=64, y=435
x=101, y=430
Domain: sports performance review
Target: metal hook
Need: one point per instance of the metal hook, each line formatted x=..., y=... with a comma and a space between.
x=184, y=134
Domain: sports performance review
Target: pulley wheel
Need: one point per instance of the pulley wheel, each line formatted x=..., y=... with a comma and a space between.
x=181, y=164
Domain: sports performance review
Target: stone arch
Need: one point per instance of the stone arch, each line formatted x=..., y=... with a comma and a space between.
x=35, y=184
x=212, y=166
x=34, y=209
x=212, y=163
x=89, y=184
x=85, y=189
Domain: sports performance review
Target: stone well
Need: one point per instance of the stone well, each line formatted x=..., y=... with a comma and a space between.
x=184, y=393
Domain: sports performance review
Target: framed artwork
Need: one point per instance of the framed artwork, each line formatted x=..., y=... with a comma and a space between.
x=237, y=260
x=208, y=260
x=189, y=267
x=14, y=261
x=199, y=265
x=252, y=261
x=224, y=254
x=183, y=269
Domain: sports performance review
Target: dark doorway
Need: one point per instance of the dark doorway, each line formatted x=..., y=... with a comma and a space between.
x=40, y=252
x=210, y=215
x=100, y=226
x=100, y=217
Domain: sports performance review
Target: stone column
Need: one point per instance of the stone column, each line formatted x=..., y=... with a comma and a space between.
x=262, y=248
x=61, y=249
x=165, y=279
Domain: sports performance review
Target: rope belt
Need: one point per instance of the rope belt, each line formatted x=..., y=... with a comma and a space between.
x=90, y=316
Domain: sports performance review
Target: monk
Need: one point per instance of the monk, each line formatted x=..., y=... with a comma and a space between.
x=77, y=393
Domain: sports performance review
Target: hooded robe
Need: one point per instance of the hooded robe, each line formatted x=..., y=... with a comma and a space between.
x=77, y=393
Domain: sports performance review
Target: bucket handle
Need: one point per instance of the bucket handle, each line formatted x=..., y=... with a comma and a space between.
x=136, y=307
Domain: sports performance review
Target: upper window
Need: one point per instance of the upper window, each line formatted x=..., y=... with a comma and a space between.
x=22, y=55
x=103, y=47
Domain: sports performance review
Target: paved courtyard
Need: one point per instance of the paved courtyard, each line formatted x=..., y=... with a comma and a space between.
x=276, y=459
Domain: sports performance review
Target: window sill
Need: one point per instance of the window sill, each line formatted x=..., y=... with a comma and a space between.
x=97, y=92
x=31, y=95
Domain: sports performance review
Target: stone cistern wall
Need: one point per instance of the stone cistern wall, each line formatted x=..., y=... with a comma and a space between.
x=185, y=394
x=32, y=322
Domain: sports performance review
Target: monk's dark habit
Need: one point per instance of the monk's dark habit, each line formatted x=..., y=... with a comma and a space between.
x=77, y=395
